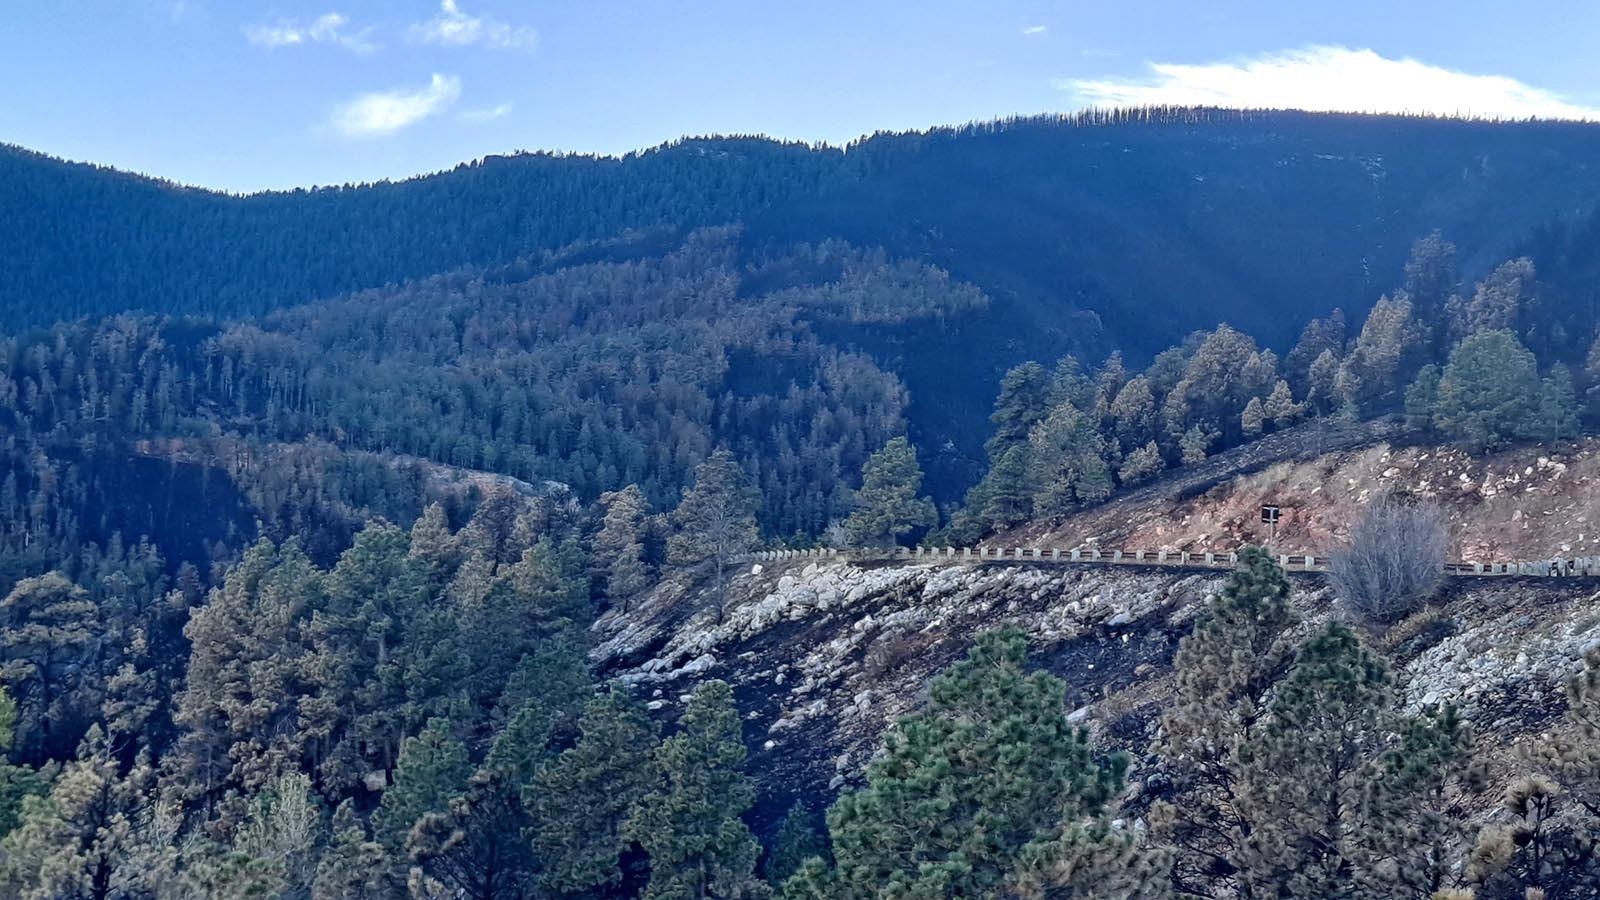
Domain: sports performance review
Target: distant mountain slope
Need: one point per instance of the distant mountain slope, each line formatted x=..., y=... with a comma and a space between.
x=1123, y=233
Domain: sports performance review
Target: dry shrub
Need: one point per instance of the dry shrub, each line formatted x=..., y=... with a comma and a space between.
x=890, y=652
x=1394, y=562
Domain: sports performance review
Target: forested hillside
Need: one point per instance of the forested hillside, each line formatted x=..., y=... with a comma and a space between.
x=324, y=514
x=1155, y=223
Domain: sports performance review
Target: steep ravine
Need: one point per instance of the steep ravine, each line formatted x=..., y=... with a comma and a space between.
x=823, y=656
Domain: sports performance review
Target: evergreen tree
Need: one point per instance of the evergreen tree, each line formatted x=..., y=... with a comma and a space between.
x=620, y=547
x=1422, y=397
x=1430, y=281
x=1547, y=837
x=76, y=842
x=1024, y=399
x=1142, y=464
x=17, y=783
x=716, y=519
x=1388, y=348
x=1254, y=418
x=48, y=627
x=433, y=769
x=1280, y=408
x=1066, y=454
x=583, y=800
x=1225, y=674
x=1194, y=444
x=801, y=837
x=247, y=675
x=281, y=836
x=1558, y=406
x=989, y=792
x=1007, y=490
x=353, y=867
x=689, y=823
x=361, y=655
x=1319, y=336
x=1133, y=413
x=1498, y=302
x=887, y=506
x=479, y=845
x=1490, y=391
x=1322, y=379
x=1305, y=777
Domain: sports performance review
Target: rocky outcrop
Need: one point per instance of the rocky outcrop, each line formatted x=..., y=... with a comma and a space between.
x=823, y=656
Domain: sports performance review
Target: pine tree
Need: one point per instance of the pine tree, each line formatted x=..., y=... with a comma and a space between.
x=551, y=588
x=75, y=842
x=433, y=769
x=1422, y=397
x=1305, y=776
x=583, y=800
x=1490, y=391
x=989, y=792
x=47, y=628
x=716, y=519
x=887, y=506
x=1225, y=671
x=620, y=545
x=1194, y=444
x=281, y=835
x=1254, y=418
x=353, y=867
x=1547, y=838
x=1133, y=413
x=1558, y=406
x=361, y=654
x=1387, y=349
x=1066, y=456
x=434, y=545
x=247, y=675
x=1142, y=464
x=1008, y=489
x=801, y=837
x=17, y=783
x=1023, y=401
x=689, y=823
x=1322, y=392
x=1280, y=408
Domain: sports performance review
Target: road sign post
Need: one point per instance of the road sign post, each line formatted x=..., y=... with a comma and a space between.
x=1269, y=517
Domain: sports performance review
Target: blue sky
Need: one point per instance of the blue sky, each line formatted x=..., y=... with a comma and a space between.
x=244, y=96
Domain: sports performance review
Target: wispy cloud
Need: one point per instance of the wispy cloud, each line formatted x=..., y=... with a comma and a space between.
x=454, y=28
x=328, y=28
x=385, y=112
x=1336, y=79
x=486, y=114
x=1033, y=30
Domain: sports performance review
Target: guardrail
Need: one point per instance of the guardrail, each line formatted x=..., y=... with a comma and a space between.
x=1583, y=566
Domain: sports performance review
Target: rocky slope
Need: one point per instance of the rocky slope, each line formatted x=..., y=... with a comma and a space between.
x=824, y=656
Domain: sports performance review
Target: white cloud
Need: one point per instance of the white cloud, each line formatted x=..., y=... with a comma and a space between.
x=328, y=28
x=486, y=114
x=1033, y=30
x=385, y=112
x=1336, y=79
x=454, y=28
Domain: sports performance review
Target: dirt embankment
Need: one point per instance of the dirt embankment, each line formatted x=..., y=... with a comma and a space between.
x=1527, y=503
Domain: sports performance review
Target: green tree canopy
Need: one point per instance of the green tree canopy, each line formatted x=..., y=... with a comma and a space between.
x=888, y=505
